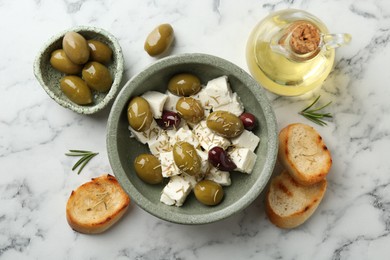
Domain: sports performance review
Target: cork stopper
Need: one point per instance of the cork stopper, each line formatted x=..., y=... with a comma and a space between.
x=305, y=38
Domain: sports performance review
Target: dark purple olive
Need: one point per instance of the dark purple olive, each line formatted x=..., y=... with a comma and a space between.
x=219, y=158
x=169, y=120
x=248, y=120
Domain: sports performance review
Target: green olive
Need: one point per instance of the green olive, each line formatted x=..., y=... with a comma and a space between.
x=225, y=124
x=190, y=109
x=62, y=63
x=208, y=192
x=159, y=40
x=97, y=76
x=99, y=51
x=139, y=114
x=148, y=168
x=75, y=47
x=76, y=90
x=186, y=158
x=184, y=84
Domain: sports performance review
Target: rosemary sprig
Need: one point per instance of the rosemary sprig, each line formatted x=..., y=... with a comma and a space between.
x=86, y=156
x=315, y=115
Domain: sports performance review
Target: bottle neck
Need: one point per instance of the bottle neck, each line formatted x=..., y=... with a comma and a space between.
x=300, y=41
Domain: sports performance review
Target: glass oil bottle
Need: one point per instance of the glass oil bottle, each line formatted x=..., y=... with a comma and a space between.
x=291, y=52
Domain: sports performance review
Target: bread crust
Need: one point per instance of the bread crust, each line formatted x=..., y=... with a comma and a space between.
x=291, y=153
x=96, y=205
x=285, y=191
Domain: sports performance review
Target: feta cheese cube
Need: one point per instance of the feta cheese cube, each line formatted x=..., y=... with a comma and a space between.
x=168, y=165
x=160, y=145
x=193, y=180
x=166, y=200
x=221, y=177
x=246, y=140
x=176, y=190
x=235, y=106
x=204, y=168
x=204, y=156
x=216, y=93
x=172, y=132
x=203, y=98
x=149, y=135
x=156, y=102
x=207, y=138
x=185, y=135
x=207, y=112
x=244, y=159
x=170, y=103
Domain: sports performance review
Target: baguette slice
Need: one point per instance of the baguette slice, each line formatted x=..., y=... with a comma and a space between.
x=289, y=204
x=96, y=205
x=303, y=153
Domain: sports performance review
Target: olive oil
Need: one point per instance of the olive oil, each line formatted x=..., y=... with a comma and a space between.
x=278, y=71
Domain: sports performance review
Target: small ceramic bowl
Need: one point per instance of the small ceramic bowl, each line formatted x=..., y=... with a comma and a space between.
x=122, y=149
x=49, y=78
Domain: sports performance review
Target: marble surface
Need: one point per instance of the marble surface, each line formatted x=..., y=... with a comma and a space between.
x=353, y=220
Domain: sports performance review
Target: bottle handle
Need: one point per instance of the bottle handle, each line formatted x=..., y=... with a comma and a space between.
x=335, y=40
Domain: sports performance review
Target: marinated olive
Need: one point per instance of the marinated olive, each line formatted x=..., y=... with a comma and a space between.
x=139, y=114
x=169, y=120
x=208, y=192
x=62, y=63
x=219, y=158
x=97, y=76
x=99, y=51
x=75, y=47
x=148, y=168
x=184, y=85
x=186, y=158
x=248, y=120
x=159, y=40
x=190, y=109
x=76, y=90
x=225, y=124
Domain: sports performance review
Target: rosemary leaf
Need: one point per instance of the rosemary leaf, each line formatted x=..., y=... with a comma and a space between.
x=317, y=109
x=85, y=162
x=79, y=151
x=86, y=156
x=317, y=121
x=315, y=101
x=75, y=154
x=314, y=115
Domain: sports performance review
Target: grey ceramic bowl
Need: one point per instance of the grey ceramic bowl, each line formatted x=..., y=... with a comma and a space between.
x=49, y=78
x=122, y=149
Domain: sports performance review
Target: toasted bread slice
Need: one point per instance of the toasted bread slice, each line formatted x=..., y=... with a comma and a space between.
x=289, y=204
x=303, y=153
x=96, y=205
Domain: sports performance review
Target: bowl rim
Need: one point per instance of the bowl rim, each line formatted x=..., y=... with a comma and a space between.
x=272, y=139
x=117, y=79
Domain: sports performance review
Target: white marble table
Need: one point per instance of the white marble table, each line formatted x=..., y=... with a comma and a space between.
x=352, y=222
